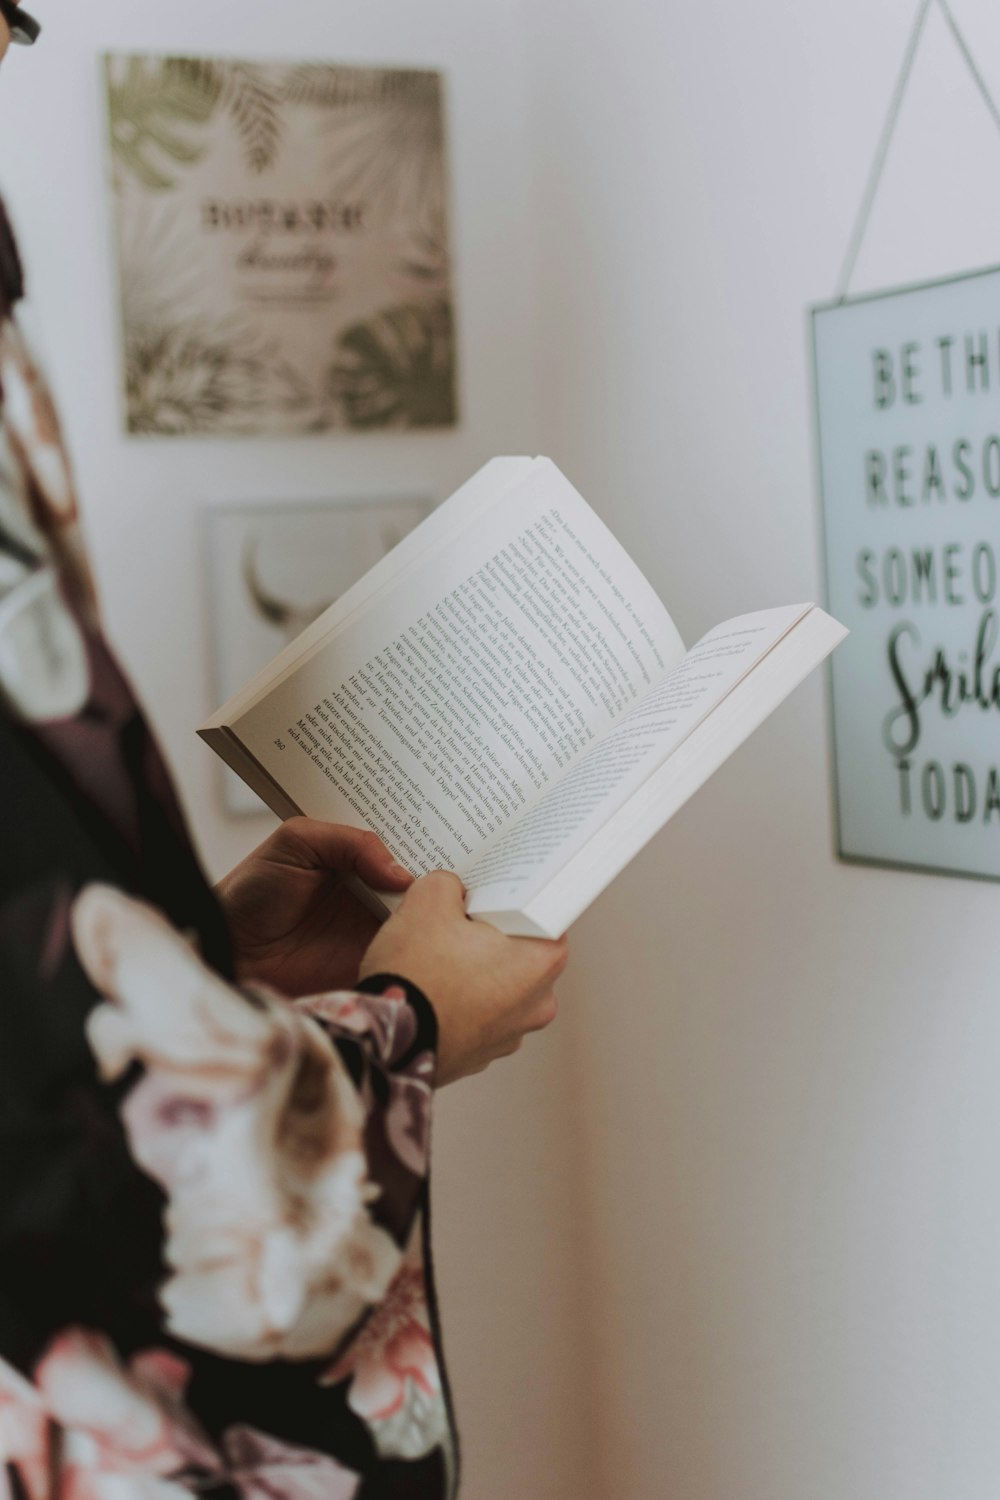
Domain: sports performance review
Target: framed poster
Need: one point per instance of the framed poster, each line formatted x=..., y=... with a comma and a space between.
x=908, y=409
x=273, y=568
x=283, y=246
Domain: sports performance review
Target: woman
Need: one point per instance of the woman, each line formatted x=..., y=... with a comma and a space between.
x=214, y=1270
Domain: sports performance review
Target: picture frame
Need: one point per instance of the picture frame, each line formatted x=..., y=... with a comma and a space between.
x=273, y=566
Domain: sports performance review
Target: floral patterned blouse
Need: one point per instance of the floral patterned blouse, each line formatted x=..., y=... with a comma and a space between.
x=214, y=1263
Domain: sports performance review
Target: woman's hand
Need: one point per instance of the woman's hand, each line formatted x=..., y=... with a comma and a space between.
x=293, y=921
x=487, y=990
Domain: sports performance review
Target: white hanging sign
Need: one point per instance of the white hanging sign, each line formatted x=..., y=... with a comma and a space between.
x=908, y=406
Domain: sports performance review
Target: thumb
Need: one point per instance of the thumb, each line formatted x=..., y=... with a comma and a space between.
x=436, y=897
x=347, y=851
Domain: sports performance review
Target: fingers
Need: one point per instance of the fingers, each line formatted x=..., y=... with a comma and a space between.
x=558, y=954
x=539, y=961
x=378, y=866
x=544, y=1012
x=347, y=851
x=437, y=897
x=488, y=989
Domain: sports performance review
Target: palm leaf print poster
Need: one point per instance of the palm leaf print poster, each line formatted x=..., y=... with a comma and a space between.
x=283, y=246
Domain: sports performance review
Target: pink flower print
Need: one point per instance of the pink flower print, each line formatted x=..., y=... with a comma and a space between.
x=396, y=1384
x=262, y=1468
x=248, y=1119
x=95, y=1429
x=408, y=1117
x=29, y=409
x=117, y=1419
x=386, y=1021
x=24, y=1430
x=388, y=1025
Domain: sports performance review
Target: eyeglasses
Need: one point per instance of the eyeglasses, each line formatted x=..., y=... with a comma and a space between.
x=23, y=28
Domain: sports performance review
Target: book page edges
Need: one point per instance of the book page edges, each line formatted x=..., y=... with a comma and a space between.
x=228, y=748
x=567, y=896
x=485, y=488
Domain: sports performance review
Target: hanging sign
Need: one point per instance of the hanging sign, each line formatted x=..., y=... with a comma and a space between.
x=908, y=407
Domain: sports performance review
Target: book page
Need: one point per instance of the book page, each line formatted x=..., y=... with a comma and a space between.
x=486, y=488
x=441, y=714
x=531, y=853
x=664, y=792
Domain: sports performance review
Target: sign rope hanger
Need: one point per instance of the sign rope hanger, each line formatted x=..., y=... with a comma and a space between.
x=892, y=117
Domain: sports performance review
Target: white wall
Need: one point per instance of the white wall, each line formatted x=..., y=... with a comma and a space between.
x=790, y=1067
x=748, y=1188
x=503, y=1195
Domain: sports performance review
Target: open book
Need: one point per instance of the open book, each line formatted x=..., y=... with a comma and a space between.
x=504, y=696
